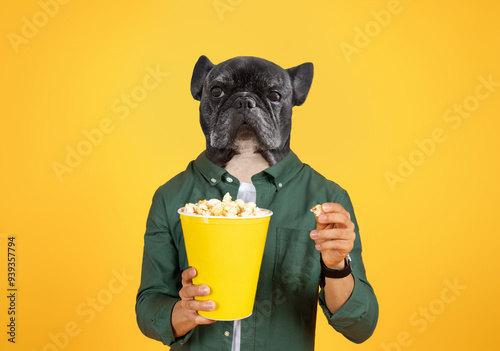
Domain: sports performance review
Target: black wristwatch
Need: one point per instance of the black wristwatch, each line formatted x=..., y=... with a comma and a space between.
x=334, y=273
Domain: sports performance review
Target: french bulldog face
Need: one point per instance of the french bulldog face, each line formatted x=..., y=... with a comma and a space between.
x=248, y=98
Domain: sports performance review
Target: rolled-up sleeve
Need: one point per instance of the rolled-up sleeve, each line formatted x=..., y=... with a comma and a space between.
x=357, y=318
x=160, y=278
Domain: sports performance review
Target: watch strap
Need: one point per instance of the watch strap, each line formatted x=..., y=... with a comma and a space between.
x=334, y=273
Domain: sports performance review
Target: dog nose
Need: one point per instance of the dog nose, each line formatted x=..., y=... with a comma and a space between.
x=244, y=102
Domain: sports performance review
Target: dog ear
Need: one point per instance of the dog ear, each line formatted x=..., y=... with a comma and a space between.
x=201, y=69
x=301, y=77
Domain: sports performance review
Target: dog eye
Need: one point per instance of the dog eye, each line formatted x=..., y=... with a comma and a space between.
x=217, y=92
x=274, y=96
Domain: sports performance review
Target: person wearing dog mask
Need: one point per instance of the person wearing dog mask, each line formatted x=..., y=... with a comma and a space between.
x=245, y=113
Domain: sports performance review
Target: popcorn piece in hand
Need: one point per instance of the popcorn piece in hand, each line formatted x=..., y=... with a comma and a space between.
x=317, y=210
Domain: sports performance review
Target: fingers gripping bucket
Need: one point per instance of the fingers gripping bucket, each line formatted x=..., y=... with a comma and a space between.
x=227, y=254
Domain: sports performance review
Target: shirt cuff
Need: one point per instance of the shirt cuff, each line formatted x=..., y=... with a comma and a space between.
x=162, y=325
x=357, y=317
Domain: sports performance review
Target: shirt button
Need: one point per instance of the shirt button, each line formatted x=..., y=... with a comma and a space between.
x=229, y=179
x=280, y=185
x=213, y=180
x=226, y=333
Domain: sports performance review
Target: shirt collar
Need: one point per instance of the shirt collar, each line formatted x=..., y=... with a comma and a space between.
x=210, y=171
x=284, y=171
x=279, y=174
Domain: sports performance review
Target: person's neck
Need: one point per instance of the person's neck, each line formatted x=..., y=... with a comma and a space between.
x=247, y=161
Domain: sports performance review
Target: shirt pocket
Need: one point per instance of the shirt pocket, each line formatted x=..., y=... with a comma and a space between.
x=296, y=264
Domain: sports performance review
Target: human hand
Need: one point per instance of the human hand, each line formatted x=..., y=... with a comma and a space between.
x=334, y=234
x=185, y=313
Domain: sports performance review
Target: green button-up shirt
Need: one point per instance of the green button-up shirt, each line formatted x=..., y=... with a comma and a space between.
x=284, y=315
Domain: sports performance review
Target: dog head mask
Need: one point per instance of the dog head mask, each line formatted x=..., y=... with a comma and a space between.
x=248, y=101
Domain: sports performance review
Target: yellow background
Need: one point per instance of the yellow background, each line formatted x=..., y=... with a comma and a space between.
x=75, y=234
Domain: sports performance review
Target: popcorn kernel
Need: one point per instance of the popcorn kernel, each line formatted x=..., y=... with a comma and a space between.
x=317, y=210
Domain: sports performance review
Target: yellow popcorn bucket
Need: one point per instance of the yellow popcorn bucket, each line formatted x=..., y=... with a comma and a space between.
x=227, y=254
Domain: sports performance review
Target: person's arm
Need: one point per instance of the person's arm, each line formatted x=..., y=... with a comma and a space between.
x=161, y=312
x=160, y=279
x=338, y=291
x=349, y=303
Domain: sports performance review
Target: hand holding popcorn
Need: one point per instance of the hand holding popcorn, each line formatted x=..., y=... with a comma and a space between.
x=334, y=234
